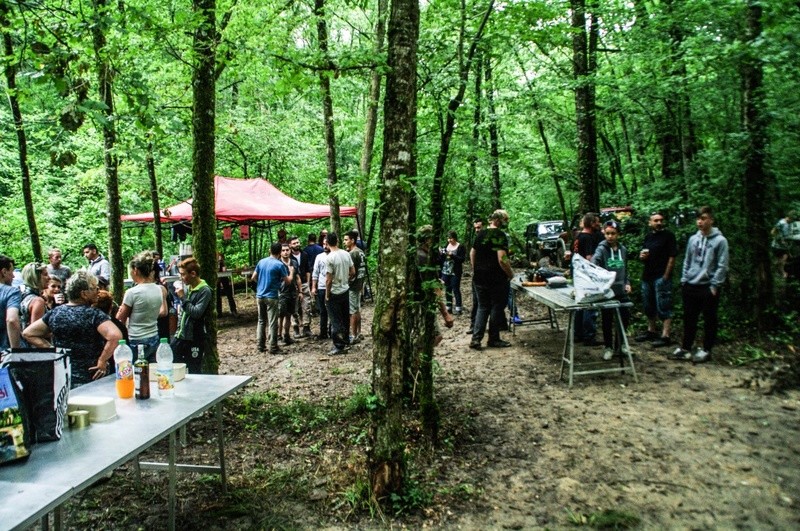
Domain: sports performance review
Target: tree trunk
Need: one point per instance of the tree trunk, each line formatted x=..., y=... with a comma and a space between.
x=472, y=158
x=151, y=173
x=386, y=456
x=19, y=126
x=584, y=111
x=758, y=183
x=204, y=223
x=494, y=152
x=371, y=120
x=105, y=76
x=327, y=113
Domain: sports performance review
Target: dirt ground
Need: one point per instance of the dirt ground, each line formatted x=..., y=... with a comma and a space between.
x=687, y=447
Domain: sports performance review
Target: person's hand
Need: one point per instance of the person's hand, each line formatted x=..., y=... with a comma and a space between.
x=179, y=292
x=714, y=291
x=58, y=298
x=627, y=288
x=101, y=369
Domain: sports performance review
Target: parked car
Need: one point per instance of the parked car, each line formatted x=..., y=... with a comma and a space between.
x=544, y=239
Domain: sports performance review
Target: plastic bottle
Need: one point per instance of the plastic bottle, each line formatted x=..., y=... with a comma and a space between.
x=123, y=362
x=166, y=384
x=141, y=376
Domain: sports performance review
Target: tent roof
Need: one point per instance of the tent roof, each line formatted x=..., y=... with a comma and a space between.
x=246, y=200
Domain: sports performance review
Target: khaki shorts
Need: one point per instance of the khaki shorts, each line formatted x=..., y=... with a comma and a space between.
x=355, y=302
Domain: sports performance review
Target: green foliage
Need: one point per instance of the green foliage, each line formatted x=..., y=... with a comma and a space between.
x=606, y=519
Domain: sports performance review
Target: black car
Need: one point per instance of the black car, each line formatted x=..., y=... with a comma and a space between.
x=544, y=239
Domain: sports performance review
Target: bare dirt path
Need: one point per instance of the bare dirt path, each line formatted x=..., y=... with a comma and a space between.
x=688, y=447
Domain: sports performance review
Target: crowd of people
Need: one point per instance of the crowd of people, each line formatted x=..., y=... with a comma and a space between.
x=52, y=306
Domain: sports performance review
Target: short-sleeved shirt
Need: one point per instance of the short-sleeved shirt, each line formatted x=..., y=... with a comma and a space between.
x=75, y=328
x=360, y=265
x=62, y=273
x=487, y=270
x=144, y=301
x=662, y=246
x=290, y=289
x=339, y=264
x=10, y=297
x=586, y=243
x=270, y=273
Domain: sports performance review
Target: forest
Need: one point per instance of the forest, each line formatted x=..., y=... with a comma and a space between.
x=546, y=109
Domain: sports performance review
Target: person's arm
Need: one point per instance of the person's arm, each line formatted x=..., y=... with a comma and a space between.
x=328, y=284
x=36, y=309
x=105, y=270
x=668, y=269
x=164, y=310
x=36, y=334
x=112, y=335
x=505, y=263
x=472, y=257
x=722, y=267
x=195, y=305
x=123, y=313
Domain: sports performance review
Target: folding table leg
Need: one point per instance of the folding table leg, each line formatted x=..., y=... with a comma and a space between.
x=624, y=342
x=172, y=480
x=221, y=444
x=569, y=348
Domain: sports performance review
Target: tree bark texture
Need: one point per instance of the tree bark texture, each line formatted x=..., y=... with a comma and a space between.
x=759, y=185
x=105, y=75
x=472, y=158
x=371, y=119
x=19, y=126
x=204, y=223
x=494, y=150
x=327, y=114
x=386, y=460
x=151, y=173
x=589, y=200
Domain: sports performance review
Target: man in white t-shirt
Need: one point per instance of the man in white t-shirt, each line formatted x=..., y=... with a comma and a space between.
x=337, y=293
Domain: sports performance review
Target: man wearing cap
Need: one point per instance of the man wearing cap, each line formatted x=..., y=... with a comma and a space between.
x=658, y=255
x=98, y=265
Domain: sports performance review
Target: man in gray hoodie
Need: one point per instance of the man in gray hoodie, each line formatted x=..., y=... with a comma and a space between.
x=704, y=270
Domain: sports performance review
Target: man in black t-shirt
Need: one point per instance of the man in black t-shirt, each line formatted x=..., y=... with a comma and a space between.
x=658, y=254
x=491, y=279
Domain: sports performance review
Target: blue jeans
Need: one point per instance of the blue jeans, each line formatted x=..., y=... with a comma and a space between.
x=657, y=298
x=452, y=288
x=150, y=346
x=492, y=300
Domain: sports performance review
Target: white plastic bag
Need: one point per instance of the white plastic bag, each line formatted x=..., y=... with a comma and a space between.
x=592, y=283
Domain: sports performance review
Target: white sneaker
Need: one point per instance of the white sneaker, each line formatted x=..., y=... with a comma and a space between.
x=608, y=354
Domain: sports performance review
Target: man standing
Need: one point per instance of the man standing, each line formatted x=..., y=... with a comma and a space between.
x=478, y=226
x=356, y=284
x=287, y=299
x=318, y=275
x=492, y=275
x=658, y=254
x=585, y=245
x=337, y=288
x=195, y=298
x=55, y=269
x=302, y=312
x=704, y=270
x=10, y=301
x=98, y=265
x=269, y=274
x=781, y=241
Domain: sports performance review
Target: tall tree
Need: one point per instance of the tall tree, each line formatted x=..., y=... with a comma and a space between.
x=325, y=74
x=494, y=137
x=105, y=78
x=589, y=199
x=19, y=126
x=204, y=223
x=371, y=118
x=759, y=184
x=386, y=457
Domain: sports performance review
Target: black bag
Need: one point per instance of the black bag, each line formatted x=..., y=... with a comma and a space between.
x=14, y=431
x=44, y=378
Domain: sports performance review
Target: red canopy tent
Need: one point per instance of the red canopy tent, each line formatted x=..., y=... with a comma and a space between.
x=246, y=201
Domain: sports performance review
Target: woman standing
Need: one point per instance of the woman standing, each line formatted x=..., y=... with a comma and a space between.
x=87, y=332
x=613, y=256
x=452, y=269
x=142, y=305
x=33, y=306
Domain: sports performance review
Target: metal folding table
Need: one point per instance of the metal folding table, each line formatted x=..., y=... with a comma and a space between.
x=561, y=300
x=58, y=470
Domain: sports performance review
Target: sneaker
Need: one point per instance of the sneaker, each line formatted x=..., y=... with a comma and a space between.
x=499, y=343
x=274, y=351
x=475, y=345
x=680, y=354
x=646, y=336
x=306, y=331
x=335, y=351
x=354, y=340
x=608, y=354
x=458, y=311
x=469, y=331
x=516, y=320
x=288, y=341
x=663, y=341
x=701, y=356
